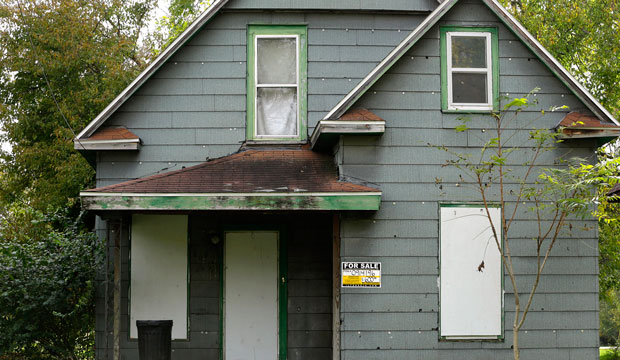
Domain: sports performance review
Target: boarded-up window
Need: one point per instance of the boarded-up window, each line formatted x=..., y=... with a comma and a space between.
x=158, y=278
x=471, y=289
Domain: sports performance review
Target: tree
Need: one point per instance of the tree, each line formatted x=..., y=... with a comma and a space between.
x=46, y=286
x=62, y=62
x=181, y=14
x=508, y=172
x=583, y=35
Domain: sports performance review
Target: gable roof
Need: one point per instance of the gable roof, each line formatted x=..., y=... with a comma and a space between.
x=513, y=24
x=152, y=68
x=192, y=29
x=347, y=102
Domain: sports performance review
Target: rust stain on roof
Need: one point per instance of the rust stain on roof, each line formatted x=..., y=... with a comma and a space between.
x=579, y=120
x=113, y=133
x=360, y=114
x=290, y=170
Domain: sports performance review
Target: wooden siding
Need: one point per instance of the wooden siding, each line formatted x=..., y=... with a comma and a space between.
x=309, y=288
x=194, y=106
x=400, y=320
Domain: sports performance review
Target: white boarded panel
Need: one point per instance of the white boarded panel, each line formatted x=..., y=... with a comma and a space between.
x=251, y=295
x=471, y=300
x=158, y=288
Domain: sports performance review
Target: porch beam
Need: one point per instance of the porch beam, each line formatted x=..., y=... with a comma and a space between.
x=273, y=201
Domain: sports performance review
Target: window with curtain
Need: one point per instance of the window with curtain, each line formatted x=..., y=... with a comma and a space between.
x=276, y=82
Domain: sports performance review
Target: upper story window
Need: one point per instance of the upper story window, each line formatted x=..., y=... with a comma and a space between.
x=277, y=68
x=469, y=69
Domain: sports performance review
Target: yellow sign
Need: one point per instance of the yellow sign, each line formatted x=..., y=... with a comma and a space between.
x=361, y=274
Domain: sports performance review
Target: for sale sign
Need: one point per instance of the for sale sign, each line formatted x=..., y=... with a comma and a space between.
x=361, y=274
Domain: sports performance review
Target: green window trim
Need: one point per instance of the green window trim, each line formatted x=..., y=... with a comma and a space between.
x=446, y=104
x=300, y=33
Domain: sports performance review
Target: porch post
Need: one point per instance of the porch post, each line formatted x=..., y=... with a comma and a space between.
x=336, y=287
x=115, y=228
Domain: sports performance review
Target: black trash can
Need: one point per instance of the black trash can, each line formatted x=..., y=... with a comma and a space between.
x=154, y=339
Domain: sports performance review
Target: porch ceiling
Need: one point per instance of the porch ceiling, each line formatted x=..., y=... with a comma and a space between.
x=252, y=179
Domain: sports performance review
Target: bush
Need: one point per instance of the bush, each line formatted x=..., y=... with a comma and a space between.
x=47, y=276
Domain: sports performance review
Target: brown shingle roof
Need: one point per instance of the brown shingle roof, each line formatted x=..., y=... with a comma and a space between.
x=113, y=133
x=577, y=120
x=294, y=170
x=360, y=114
x=614, y=191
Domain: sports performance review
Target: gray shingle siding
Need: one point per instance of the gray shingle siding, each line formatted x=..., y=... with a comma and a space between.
x=400, y=320
x=194, y=108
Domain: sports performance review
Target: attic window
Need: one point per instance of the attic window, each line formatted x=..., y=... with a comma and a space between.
x=469, y=69
x=276, y=83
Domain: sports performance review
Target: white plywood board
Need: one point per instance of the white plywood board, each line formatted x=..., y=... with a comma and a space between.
x=251, y=295
x=471, y=298
x=158, y=285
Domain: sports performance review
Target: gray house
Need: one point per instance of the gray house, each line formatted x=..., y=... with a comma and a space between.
x=267, y=184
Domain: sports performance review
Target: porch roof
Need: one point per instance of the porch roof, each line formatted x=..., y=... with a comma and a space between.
x=291, y=178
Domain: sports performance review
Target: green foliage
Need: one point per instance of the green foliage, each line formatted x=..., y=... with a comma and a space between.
x=60, y=59
x=181, y=14
x=583, y=35
x=555, y=196
x=46, y=287
x=61, y=63
x=611, y=354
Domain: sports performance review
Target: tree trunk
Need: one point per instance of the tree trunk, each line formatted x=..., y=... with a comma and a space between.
x=515, y=343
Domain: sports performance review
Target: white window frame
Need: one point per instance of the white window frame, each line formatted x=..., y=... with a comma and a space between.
x=257, y=86
x=488, y=71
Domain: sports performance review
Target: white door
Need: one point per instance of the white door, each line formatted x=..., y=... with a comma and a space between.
x=251, y=295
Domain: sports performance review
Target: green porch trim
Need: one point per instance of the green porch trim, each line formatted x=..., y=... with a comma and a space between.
x=302, y=81
x=444, y=66
x=322, y=201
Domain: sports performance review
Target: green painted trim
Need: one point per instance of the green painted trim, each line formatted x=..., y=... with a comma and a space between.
x=302, y=32
x=444, y=67
x=282, y=285
x=501, y=337
x=363, y=201
x=283, y=294
x=221, y=295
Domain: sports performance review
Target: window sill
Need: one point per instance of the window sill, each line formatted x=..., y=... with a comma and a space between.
x=277, y=142
x=444, y=339
x=465, y=111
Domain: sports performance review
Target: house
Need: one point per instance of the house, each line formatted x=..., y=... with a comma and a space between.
x=267, y=184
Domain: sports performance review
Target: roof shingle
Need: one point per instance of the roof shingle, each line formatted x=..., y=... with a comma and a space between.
x=289, y=170
x=113, y=133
